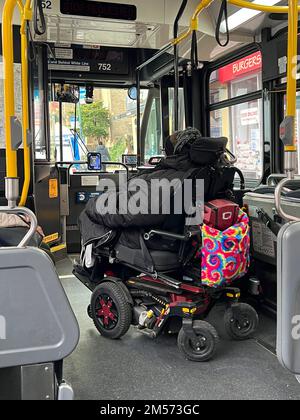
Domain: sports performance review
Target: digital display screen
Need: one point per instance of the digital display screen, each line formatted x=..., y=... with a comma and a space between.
x=94, y=161
x=99, y=61
x=129, y=160
x=98, y=9
x=155, y=160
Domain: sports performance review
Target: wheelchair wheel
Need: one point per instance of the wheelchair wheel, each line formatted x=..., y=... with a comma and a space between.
x=241, y=321
x=89, y=311
x=203, y=348
x=111, y=313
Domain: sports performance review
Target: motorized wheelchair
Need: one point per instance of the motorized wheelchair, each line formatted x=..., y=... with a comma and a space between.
x=157, y=286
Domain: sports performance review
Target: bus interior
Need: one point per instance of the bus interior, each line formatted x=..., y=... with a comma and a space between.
x=103, y=78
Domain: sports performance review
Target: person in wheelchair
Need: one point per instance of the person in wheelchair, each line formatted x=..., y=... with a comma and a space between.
x=188, y=155
x=151, y=270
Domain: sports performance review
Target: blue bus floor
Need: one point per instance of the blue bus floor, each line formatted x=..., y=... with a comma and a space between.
x=136, y=367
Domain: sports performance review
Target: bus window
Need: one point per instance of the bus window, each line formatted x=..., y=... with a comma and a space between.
x=153, y=140
x=297, y=127
x=69, y=152
x=241, y=123
x=107, y=122
x=235, y=79
x=18, y=98
x=39, y=109
x=181, y=121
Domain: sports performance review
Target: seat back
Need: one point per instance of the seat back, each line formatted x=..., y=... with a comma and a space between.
x=12, y=236
x=288, y=297
x=207, y=150
x=37, y=324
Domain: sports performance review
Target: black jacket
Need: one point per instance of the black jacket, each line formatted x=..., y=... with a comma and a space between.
x=102, y=228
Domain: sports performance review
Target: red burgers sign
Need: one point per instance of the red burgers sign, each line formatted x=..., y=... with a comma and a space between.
x=248, y=64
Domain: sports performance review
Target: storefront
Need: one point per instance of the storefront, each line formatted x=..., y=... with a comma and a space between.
x=241, y=123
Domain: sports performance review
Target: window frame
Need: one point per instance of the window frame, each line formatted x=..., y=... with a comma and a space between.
x=257, y=95
x=154, y=97
x=96, y=86
x=41, y=64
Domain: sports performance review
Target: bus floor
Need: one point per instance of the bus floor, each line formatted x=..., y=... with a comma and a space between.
x=138, y=368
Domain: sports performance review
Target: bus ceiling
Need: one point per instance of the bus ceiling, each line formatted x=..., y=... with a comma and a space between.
x=152, y=28
x=147, y=25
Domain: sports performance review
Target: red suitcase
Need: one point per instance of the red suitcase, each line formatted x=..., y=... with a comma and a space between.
x=221, y=214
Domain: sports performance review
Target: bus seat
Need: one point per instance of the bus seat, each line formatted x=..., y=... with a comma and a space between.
x=12, y=236
x=37, y=324
x=288, y=325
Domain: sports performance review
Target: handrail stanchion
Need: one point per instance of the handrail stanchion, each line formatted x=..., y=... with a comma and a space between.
x=290, y=150
x=12, y=144
x=26, y=16
x=12, y=182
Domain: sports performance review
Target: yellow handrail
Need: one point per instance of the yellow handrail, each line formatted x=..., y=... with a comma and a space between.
x=291, y=109
x=292, y=10
x=239, y=3
x=194, y=22
x=9, y=94
x=11, y=159
x=260, y=7
x=26, y=16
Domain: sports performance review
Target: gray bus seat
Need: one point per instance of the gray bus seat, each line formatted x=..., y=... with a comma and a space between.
x=264, y=242
x=38, y=324
x=288, y=297
x=12, y=236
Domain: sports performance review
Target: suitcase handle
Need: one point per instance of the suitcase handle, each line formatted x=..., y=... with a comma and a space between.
x=278, y=195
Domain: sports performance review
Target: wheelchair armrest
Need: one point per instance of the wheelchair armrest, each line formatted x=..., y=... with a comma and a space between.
x=183, y=238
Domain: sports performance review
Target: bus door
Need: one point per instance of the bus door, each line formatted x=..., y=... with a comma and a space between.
x=85, y=119
x=46, y=182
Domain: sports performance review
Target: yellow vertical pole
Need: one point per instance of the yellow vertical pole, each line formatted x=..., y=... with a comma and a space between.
x=9, y=93
x=26, y=16
x=291, y=74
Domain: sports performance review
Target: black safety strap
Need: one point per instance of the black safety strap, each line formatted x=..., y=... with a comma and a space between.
x=268, y=222
x=223, y=12
x=39, y=21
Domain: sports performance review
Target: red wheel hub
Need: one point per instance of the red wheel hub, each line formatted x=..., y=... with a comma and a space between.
x=105, y=311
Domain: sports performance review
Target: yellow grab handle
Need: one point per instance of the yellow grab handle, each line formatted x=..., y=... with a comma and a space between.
x=194, y=22
x=260, y=7
x=9, y=93
x=26, y=15
x=291, y=107
x=9, y=100
x=239, y=3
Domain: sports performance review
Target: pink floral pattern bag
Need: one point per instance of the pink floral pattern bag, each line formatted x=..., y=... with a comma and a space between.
x=225, y=256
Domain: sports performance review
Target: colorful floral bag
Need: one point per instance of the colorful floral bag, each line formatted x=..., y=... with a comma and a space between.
x=225, y=256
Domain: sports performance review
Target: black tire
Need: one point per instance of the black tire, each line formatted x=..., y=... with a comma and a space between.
x=89, y=311
x=202, y=350
x=244, y=327
x=116, y=313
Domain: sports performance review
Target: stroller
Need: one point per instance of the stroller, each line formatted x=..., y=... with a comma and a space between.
x=165, y=282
